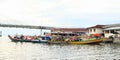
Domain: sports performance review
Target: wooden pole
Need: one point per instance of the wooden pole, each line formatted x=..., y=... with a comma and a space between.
x=0, y=33
x=41, y=31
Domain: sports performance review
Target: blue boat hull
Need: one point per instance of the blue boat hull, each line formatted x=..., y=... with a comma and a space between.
x=39, y=41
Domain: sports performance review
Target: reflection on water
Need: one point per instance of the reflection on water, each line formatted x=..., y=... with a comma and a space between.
x=29, y=51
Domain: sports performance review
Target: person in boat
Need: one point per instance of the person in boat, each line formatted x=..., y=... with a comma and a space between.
x=63, y=38
x=111, y=38
x=58, y=38
x=48, y=38
x=39, y=37
x=75, y=38
x=22, y=37
x=17, y=36
x=36, y=37
x=79, y=38
x=67, y=40
x=53, y=38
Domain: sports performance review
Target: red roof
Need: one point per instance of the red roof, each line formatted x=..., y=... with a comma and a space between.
x=97, y=26
x=70, y=29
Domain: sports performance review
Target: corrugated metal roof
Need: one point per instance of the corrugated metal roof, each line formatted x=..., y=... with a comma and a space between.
x=112, y=25
x=113, y=28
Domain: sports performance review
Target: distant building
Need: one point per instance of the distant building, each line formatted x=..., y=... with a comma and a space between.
x=95, y=29
x=78, y=31
x=111, y=29
x=106, y=30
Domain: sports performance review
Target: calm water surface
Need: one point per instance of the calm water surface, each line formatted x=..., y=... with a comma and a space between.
x=30, y=51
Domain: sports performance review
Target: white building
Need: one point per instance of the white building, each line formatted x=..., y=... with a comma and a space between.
x=106, y=30
x=113, y=29
x=95, y=29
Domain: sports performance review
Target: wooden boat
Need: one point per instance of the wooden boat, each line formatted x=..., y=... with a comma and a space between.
x=34, y=41
x=108, y=41
x=86, y=42
x=18, y=40
x=77, y=42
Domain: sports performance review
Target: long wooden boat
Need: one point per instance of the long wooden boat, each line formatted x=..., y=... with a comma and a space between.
x=77, y=42
x=57, y=42
x=108, y=41
x=18, y=40
x=86, y=42
x=33, y=41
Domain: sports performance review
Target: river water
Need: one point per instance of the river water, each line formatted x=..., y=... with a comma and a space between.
x=31, y=51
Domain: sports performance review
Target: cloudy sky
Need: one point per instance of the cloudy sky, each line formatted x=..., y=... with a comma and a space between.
x=60, y=13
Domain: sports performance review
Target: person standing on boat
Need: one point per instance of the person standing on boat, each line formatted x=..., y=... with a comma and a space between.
x=16, y=36
x=111, y=38
x=22, y=37
x=47, y=36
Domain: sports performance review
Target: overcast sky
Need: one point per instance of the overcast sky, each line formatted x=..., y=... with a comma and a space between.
x=60, y=13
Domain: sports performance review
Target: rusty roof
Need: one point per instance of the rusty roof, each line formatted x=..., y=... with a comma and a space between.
x=97, y=26
x=70, y=29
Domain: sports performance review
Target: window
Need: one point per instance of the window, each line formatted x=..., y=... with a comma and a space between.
x=112, y=31
x=94, y=30
x=90, y=30
x=107, y=31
